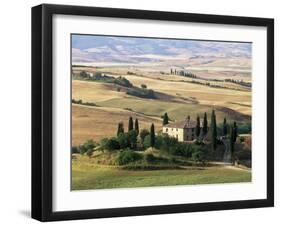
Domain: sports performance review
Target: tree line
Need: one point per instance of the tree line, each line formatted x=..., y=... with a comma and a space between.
x=129, y=139
x=135, y=139
x=182, y=73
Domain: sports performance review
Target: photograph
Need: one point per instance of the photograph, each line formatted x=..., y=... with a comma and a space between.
x=152, y=111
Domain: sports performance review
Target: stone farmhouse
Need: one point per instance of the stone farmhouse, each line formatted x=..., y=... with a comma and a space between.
x=182, y=130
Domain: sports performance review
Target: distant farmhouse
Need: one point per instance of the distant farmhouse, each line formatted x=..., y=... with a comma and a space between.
x=182, y=130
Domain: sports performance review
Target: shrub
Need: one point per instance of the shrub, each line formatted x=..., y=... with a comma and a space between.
x=89, y=152
x=123, y=82
x=123, y=140
x=110, y=144
x=158, y=141
x=180, y=149
x=128, y=156
x=146, y=142
x=143, y=86
x=199, y=156
x=74, y=150
x=132, y=137
x=83, y=103
x=89, y=104
x=143, y=134
x=244, y=128
x=150, y=158
x=168, y=142
x=142, y=93
x=243, y=154
x=84, y=74
x=77, y=101
x=87, y=146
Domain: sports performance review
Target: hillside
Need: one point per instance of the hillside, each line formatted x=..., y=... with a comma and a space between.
x=100, y=122
x=175, y=95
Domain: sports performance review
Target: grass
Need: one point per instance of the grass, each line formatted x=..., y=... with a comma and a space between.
x=86, y=175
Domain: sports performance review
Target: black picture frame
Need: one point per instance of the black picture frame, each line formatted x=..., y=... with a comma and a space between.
x=42, y=111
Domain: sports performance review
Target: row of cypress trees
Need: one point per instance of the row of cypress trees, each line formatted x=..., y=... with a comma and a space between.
x=233, y=132
x=213, y=129
x=120, y=128
x=135, y=127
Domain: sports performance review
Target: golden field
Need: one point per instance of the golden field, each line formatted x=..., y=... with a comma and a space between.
x=177, y=96
x=99, y=122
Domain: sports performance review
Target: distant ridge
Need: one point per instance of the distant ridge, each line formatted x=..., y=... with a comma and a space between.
x=90, y=48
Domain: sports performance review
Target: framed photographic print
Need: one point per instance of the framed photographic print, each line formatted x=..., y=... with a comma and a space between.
x=146, y=112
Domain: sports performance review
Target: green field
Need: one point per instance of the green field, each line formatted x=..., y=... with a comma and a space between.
x=86, y=175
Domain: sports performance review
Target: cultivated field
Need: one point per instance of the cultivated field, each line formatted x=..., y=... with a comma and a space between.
x=100, y=122
x=177, y=86
x=176, y=95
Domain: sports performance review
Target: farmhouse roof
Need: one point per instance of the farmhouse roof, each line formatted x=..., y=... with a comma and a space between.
x=184, y=124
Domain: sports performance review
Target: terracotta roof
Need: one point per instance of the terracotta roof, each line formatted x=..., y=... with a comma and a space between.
x=184, y=124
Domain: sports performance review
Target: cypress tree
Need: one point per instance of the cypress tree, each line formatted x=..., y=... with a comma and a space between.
x=205, y=125
x=231, y=143
x=165, y=119
x=224, y=129
x=235, y=132
x=130, y=125
x=214, y=131
x=197, y=129
x=152, y=135
x=120, y=128
x=137, y=126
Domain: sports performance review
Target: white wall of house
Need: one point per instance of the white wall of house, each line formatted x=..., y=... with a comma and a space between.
x=180, y=134
x=174, y=132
